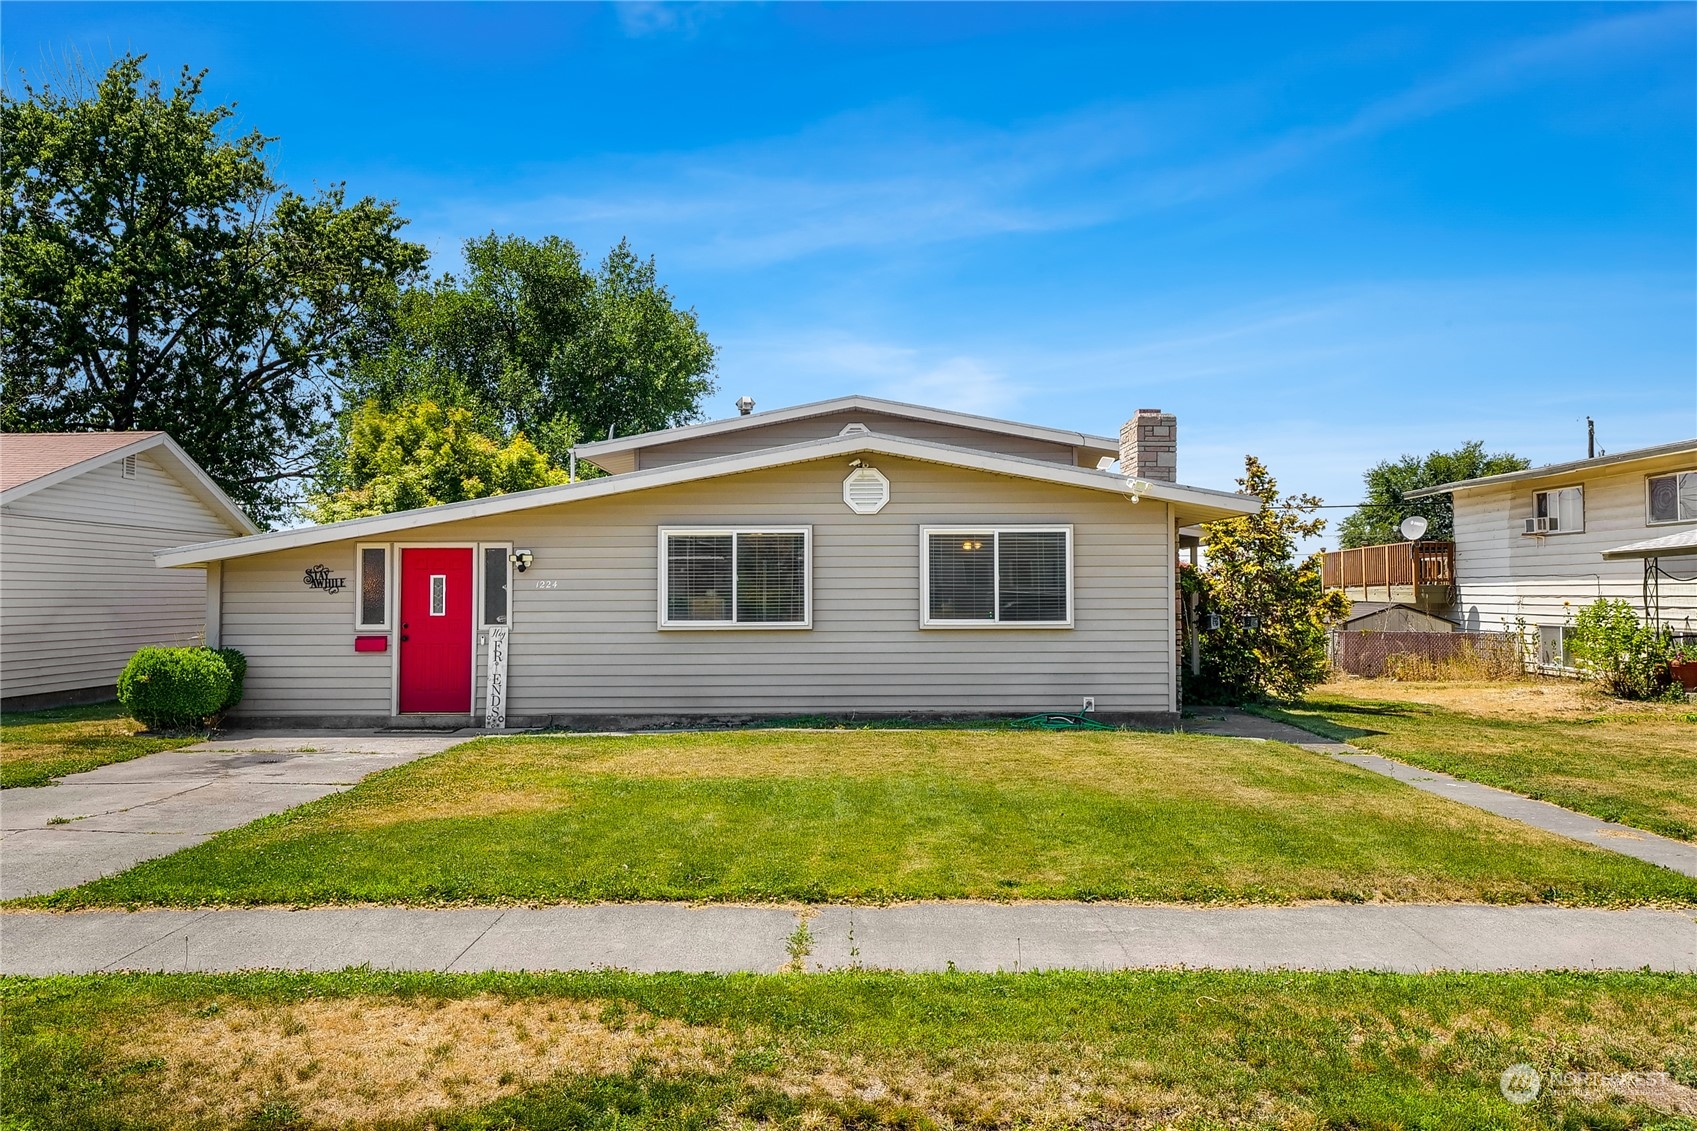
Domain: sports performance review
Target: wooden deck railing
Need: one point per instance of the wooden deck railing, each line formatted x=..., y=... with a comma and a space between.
x=1422, y=566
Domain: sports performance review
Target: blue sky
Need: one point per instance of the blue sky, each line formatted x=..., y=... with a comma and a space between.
x=1323, y=234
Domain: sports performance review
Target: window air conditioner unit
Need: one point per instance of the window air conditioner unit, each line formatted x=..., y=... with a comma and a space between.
x=1540, y=525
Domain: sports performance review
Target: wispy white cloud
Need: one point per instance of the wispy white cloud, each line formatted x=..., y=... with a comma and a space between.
x=831, y=363
x=893, y=177
x=643, y=18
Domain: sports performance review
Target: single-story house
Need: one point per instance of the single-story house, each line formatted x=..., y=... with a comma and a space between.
x=853, y=557
x=1535, y=546
x=81, y=515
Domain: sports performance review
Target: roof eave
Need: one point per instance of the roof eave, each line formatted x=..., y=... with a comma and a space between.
x=684, y=432
x=1553, y=470
x=1190, y=504
x=189, y=473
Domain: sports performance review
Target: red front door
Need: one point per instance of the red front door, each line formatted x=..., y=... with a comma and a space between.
x=436, y=632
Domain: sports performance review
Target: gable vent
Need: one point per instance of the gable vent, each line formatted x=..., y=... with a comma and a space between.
x=853, y=429
x=129, y=467
x=866, y=491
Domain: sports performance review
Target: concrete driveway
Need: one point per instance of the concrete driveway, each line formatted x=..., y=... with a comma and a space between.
x=93, y=824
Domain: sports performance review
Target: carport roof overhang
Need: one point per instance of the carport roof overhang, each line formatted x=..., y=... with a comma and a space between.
x=1667, y=546
x=1189, y=504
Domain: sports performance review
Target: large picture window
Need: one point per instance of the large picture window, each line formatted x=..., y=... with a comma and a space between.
x=735, y=578
x=980, y=577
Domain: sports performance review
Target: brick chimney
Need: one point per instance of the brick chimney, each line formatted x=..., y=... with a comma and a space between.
x=1149, y=446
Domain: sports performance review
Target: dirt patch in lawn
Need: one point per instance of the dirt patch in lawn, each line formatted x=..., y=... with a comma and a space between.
x=1544, y=699
x=353, y=1062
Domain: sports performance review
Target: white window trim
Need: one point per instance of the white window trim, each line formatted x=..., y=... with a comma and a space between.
x=483, y=581
x=731, y=625
x=1648, y=521
x=387, y=623
x=925, y=619
x=1580, y=487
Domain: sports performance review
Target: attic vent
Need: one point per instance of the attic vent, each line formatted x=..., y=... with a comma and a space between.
x=129, y=467
x=852, y=429
x=866, y=491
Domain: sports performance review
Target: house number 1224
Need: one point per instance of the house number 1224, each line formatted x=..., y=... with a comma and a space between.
x=547, y=584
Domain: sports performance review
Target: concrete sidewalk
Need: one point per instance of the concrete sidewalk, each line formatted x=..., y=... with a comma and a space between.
x=89, y=825
x=914, y=937
x=1677, y=855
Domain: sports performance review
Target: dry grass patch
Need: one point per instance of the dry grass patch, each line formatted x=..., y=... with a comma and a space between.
x=1191, y=1050
x=1534, y=699
x=1033, y=1086
x=356, y=1061
x=38, y=746
x=1556, y=740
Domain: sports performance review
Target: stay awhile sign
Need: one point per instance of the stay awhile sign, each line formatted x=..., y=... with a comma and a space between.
x=318, y=577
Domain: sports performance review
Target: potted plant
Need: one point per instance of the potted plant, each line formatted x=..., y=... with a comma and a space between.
x=1682, y=663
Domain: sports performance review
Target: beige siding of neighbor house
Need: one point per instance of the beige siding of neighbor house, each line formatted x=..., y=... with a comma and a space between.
x=1503, y=575
x=734, y=441
x=592, y=646
x=79, y=592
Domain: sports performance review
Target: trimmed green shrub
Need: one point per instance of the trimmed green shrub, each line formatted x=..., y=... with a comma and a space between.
x=1626, y=656
x=237, y=663
x=174, y=688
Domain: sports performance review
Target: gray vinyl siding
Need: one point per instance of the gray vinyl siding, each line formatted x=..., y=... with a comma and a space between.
x=79, y=592
x=1503, y=575
x=736, y=441
x=592, y=646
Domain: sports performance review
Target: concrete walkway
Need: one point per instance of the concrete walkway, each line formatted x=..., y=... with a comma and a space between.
x=93, y=824
x=915, y=937
x=1677, y=855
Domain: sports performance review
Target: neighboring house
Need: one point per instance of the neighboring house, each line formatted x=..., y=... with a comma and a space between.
x=855, y=557
x=81, y=516
x=1535, y=546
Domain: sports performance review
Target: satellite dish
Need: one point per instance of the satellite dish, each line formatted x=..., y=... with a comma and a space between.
x=1413, y=527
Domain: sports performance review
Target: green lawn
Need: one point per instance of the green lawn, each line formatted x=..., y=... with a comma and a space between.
x=1188, y=1050
x=38, y=746
x=859, y=815
x=1637, y=766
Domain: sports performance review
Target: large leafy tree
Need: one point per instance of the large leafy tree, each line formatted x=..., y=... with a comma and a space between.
x=421, y=455
x=153, y=275
x=532, y=342
x=1274, y=612
x=1387, y=483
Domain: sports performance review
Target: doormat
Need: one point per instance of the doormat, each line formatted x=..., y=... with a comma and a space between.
x=418, y=730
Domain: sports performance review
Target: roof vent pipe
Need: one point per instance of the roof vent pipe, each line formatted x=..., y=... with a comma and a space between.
x=745, y=405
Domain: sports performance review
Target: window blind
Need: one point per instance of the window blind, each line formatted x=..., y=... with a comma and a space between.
x=698, y=577
x=1032, y=575
x=771, y=572
x=962, y=570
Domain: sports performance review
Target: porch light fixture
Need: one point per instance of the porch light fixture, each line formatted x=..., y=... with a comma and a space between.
x=522, y=559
